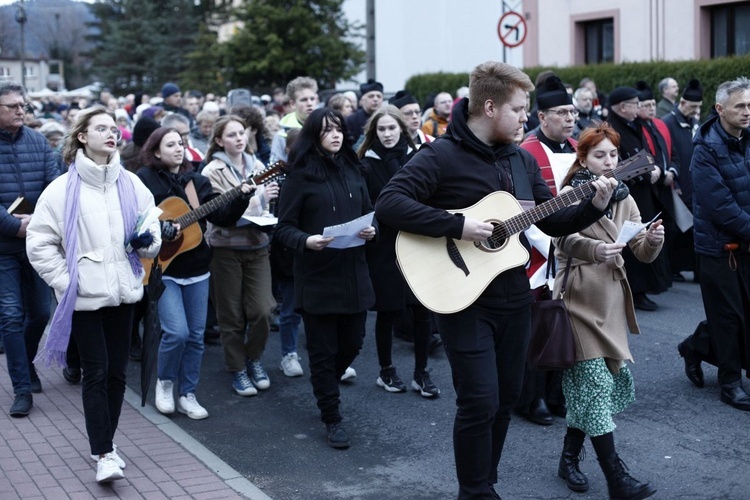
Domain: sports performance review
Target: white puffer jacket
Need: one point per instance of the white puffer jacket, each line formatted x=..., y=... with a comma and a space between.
x=105, y=278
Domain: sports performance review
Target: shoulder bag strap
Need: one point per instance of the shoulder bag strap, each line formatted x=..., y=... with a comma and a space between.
x=192, y=195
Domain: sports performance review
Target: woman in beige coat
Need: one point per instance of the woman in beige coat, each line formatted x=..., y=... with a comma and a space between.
x=601, y=310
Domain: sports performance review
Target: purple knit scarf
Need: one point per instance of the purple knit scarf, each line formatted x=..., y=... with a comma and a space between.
x=56, y=346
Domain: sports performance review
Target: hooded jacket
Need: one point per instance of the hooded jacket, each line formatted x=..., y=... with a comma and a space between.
x=721, y=180
x=457, y=170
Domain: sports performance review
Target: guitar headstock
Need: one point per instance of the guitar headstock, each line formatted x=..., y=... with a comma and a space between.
x=638, y=164
x=269, y=173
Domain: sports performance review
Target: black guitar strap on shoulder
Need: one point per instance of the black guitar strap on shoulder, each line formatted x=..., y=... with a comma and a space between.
x=520, y=181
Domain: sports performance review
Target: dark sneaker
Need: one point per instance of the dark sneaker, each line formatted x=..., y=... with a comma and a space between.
x=424, y=385
x=337, y=436
x=72, y=375
x=21, y=406
x=390, y=381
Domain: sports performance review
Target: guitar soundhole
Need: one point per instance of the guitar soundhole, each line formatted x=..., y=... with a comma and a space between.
x=494, y=242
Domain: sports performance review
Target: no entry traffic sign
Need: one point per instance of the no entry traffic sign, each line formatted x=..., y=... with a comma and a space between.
x=512, y=29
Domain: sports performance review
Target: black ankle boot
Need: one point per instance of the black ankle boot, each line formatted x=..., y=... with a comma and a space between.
x=621, y=485
x=572, y=455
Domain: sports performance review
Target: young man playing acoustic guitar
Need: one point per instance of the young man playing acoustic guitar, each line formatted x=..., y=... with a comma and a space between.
x=486, y=342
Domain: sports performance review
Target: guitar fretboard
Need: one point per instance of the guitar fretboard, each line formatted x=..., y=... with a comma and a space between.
x=626, y=170
x=210, y=206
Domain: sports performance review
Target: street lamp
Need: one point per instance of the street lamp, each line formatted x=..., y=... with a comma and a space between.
x=21, y=19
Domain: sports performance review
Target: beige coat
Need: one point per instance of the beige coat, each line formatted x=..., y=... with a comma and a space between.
x=597, y=295
x=243, y=236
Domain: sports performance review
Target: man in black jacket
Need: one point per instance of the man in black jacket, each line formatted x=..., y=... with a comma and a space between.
x=721, y=209
x=486, y=343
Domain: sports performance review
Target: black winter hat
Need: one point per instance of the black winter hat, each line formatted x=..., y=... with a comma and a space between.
x=693, y=91
x=622, y=94
x=552, y=93
x=370, y=86
x=143, y=129
x=403, y=98
x=644, y=91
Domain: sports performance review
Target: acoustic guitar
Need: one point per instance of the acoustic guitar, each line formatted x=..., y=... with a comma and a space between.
x=175, y=209
x=448, y=275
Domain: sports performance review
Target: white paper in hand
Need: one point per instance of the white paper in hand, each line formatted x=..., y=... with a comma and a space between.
x=346, y=235
x=630, y=229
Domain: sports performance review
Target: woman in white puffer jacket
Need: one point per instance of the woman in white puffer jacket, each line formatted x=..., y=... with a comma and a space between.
x=82, y=240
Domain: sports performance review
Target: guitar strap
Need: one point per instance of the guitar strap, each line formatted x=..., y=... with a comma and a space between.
x=192, y=195
x=520, y=179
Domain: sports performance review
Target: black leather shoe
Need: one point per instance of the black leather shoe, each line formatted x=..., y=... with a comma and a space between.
x=642, y=302
x=693, y=368
x=72, y=375
x=736, y=397
x=36, y=384
x=337, y=436
x=539, y=413
x=678, y=278
x=136, y=353
x=21, y=406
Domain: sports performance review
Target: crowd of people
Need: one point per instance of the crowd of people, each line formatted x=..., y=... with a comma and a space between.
x=79, y=178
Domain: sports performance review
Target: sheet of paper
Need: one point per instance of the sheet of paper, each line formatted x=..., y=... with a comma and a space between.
x=346, y=234
x=258, y=220
x=630, y=229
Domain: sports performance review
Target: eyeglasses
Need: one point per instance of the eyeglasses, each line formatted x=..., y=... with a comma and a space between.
x=562, y=113
x=105, y=132
x=23, y=106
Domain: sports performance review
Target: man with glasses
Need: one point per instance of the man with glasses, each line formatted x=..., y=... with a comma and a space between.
x=553, y=147
x=27, y=166
x=409, y=106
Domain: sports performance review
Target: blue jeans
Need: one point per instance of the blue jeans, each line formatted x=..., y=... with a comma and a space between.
x=24, y=313
x=288, y=319
x=182, y=311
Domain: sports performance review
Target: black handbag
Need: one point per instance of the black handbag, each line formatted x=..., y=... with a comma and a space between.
x=552, y=346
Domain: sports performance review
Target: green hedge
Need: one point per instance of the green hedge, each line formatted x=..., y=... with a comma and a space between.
x=711, y=73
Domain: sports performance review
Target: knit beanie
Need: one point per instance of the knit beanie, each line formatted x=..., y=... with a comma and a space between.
x=168, y=89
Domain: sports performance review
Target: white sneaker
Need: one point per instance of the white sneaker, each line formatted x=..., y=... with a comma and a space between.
x=107, y=469
x=349, y=373
x=120, y=461
x=164, y=397
x=290, y=365
x=188, y=405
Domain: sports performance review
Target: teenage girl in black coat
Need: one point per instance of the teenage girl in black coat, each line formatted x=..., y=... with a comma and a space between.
x=325, y=187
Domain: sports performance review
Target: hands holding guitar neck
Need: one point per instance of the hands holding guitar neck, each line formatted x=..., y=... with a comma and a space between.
x=604, y=189
x=476, y=230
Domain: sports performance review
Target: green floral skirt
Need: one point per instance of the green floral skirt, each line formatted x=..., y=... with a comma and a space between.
x=593, y=395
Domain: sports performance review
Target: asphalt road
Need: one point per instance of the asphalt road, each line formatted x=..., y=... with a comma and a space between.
x=680, y=438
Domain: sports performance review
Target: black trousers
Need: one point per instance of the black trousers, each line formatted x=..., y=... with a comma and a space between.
x=486, y=349
x=103, y=339
x=727, y=304
x=333, y=342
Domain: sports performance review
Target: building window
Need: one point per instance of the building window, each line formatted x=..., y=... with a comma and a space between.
x=730, y=29
x=29, y=70
x=4, y=71
x=599, y=40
